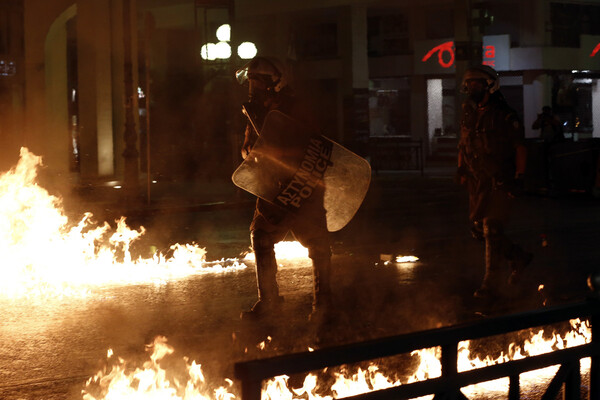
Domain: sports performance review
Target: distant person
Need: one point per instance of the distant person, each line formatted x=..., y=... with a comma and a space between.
x=269, y=89
x=491, y=163
x=549, y=126
x=551, y=132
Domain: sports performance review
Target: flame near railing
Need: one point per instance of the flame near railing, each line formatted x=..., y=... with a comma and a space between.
x=340, y=372
x=453, y=376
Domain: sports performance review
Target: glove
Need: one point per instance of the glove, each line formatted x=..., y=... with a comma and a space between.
x=249, y=140
x=246, y=147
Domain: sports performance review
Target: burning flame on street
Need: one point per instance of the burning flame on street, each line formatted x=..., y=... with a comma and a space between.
x=153, y=382
x=285, y=250
x=406, y=259
x=46, y=255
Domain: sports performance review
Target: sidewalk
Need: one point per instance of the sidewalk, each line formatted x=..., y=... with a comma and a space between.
x=206, y=195
x=164, y=197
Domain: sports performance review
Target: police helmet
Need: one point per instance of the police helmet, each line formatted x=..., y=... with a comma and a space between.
x=270, y=70
x=484, y=72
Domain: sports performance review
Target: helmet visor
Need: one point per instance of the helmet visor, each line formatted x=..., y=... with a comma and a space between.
x=241, y=75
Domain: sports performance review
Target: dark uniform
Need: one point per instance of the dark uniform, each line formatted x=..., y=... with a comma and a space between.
x=272, y=223
x=489, y=137
x=491, y=143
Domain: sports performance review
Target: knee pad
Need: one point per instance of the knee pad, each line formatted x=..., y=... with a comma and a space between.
x=261, y=242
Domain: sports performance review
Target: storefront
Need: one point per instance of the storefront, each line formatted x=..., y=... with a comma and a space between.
x=435, y=59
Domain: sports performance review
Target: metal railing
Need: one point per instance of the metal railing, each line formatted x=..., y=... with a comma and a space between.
x=396, y=153
x=253, y=373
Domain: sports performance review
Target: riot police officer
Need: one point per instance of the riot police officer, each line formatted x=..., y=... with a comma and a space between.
x=491, y=163
x=269, y=84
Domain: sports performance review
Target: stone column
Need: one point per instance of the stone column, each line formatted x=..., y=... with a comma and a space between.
x=418, y=83
x=352, y=39
x=56, y=135
x=467, y=48
x=95, y=89
x=130, y=135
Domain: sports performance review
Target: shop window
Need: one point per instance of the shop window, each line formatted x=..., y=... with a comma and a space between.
x=514, y=96
x=574, y=105
x=441, y=95
x=389, y=113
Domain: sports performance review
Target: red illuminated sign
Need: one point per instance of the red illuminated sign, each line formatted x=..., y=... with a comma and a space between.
x=447, y=47
x=489, y=54
x=596, y=49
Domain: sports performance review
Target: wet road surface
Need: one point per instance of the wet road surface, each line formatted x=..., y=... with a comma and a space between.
x=50, y=347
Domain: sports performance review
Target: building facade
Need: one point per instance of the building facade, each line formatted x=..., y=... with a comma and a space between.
x=406, y=54
x=99, y=94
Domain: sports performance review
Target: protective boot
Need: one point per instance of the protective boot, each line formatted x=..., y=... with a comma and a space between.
x=518, y=260
x=269, y=300
x=490, y=287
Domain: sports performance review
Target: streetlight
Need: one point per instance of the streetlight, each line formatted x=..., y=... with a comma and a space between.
x=222, y=49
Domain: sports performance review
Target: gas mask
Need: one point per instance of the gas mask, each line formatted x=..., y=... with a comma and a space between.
x=259, y=100
x=266, y=83
x=479, y=80
x=476, y=89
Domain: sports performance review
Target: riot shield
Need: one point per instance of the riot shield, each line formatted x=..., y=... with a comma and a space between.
x=302, y=171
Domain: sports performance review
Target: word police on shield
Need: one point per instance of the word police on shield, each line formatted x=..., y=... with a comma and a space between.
x=310, y=174
x=304, y=172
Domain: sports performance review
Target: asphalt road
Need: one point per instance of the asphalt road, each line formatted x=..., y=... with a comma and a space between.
x=50, y=347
